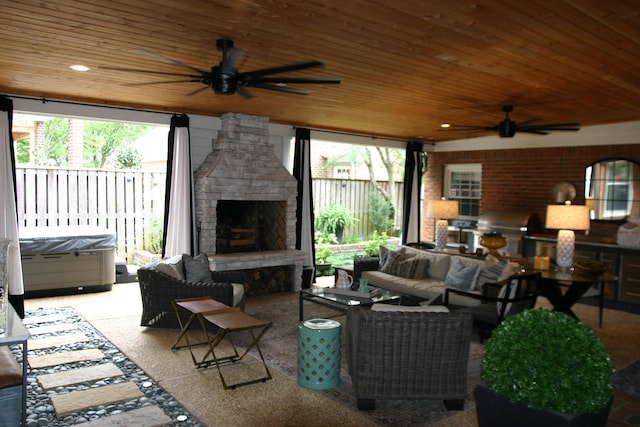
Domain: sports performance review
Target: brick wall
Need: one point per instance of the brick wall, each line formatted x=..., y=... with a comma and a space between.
x=523, y=179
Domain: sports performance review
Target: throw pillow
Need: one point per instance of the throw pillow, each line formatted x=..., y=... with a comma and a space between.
x=469, y=261
x=383, y=252
x=459, y=276
x=412, y=268
x=408, y=308
x=490, y=273
x=392, y=258
x=172, y=267
x=196, y=268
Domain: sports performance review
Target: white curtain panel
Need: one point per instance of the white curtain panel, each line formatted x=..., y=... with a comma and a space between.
x=179, y=224
x=8, y=213
x=304, y=208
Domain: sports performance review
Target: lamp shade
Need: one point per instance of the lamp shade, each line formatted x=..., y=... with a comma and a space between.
x=567, y=217
x=442, y=209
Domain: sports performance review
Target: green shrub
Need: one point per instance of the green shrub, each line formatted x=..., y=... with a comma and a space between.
x=548, y=360
x=372, y=248
x=381, y=212
x=322, y=254
x=153, y=237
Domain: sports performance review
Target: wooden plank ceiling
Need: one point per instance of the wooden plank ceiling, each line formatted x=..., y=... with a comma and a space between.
x=406, y=66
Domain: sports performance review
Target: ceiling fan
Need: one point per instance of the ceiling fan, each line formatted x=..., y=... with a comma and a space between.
x=224, y=79
x=508, y=128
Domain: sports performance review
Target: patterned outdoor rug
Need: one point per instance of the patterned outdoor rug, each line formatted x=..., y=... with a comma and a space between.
x=280, y=349
x=77, y=376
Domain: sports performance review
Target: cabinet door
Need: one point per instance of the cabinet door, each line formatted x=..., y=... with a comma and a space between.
x=630, y=279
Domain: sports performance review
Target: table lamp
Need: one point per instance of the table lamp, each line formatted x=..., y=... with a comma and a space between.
x=566, y=218
x=442, y=210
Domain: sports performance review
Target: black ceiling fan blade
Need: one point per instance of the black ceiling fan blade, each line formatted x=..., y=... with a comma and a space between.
x=553, y=127
x=280, y=88
x=198, y=90
x=243, y=93
x=469, y=127
x=162, y=82
x=527, y=123
x=306, y=80
x=281, y=69
x=537, y=132
x=162, y=73
x=165, y=59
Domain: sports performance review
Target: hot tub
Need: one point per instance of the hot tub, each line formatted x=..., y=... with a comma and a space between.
x=67, y=259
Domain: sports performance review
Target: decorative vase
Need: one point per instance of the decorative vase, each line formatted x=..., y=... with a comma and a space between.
x=494, y=410
x=4, y=282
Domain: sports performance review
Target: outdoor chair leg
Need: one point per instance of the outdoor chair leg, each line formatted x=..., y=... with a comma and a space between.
x=366, y=404
x=454, y=404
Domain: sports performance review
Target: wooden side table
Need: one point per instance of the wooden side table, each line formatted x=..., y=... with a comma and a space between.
x=196, y=307
x=230, y=321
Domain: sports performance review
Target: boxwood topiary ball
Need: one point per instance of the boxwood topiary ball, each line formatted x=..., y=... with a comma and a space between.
x=548, y=360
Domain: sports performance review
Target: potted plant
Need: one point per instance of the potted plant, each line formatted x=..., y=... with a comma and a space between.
x=544, y=368
x=333, y=219
x=322, y=260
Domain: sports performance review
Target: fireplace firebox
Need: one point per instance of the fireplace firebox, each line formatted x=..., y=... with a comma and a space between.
x=246, y=226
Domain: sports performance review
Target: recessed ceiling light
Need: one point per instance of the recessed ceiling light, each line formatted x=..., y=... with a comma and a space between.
x=79, y=67
x=445, y=125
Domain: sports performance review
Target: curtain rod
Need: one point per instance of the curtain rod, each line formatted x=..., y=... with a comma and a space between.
x=86, y=104
x=362, y=135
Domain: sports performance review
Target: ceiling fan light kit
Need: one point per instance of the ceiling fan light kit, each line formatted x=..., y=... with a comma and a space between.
x=224, y=79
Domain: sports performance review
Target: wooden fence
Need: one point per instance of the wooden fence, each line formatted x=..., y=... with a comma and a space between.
x=129, y=202
x=125, y=202
x=354, y=196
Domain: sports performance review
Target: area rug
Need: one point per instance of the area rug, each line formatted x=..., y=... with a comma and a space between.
x=41, y=411
x=627, y=379
x=280, y=349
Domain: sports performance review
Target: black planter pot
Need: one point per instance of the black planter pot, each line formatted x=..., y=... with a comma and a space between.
x=498, y=411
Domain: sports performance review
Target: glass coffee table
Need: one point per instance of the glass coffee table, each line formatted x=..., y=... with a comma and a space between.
x=342, y=300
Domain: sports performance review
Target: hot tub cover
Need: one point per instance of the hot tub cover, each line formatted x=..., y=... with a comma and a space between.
x=39, y=240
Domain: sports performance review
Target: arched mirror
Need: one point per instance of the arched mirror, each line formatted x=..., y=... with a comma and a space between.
x=612, y=189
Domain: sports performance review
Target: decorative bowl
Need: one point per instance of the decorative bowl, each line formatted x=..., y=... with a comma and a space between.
x=590, y=267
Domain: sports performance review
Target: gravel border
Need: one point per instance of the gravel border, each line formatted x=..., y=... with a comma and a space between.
x=40, y=411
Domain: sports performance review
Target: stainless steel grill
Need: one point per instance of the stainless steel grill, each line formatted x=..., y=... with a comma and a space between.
x=511, y=224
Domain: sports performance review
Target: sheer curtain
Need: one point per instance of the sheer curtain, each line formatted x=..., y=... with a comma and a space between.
x=413, y=171
x=304, y=210
x=8, y=206
x=180, y=235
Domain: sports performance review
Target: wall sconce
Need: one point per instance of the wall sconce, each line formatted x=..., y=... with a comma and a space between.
x=442, y=210
x=566, y=218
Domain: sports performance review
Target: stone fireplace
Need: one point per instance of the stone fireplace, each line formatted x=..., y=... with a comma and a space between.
x=246, y=201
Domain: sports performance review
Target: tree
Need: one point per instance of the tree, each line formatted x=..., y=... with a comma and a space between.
x=103, y=141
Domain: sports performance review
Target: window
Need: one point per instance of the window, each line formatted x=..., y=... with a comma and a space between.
x=463, y=183
x=609, y=188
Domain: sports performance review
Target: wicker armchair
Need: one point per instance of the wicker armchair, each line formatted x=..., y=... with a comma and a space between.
x=408, y=355
x=499, y=300
x=158, y=290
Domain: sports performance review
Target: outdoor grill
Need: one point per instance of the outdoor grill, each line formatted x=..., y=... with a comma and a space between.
x=511, y=224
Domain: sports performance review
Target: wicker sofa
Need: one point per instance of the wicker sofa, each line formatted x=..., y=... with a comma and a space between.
x=408, y=355
x=159, y=287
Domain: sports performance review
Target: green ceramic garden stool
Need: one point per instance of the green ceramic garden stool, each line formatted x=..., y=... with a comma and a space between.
x=319, y=353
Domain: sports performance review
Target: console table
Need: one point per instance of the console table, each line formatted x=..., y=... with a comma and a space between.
x=624, y=262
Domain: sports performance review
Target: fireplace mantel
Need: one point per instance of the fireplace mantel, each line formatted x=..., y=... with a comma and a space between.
x=251, y=260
